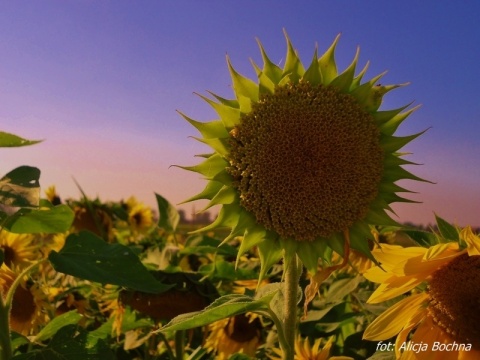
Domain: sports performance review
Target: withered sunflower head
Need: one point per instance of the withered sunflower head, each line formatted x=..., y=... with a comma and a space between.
x=302, y=157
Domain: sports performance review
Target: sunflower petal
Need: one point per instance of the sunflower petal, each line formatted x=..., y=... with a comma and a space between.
x=393, y=320
x=472, y=240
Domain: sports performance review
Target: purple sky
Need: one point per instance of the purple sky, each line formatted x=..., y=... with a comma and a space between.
x=100, y=81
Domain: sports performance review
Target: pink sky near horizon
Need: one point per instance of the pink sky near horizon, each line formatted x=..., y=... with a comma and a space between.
x=144, y=168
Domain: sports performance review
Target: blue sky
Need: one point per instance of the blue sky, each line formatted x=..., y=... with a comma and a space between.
x=101, y=81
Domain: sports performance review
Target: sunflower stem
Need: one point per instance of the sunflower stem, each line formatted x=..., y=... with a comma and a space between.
x=17, y=281
x=290, y=306
x=5, y=342
x=179, y=344
x=5, y=307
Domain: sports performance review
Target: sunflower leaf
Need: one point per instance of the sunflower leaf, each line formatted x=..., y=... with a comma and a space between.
x=169, y=217
x=89, y=257
x=52, y=220
x=448, y=231
x=70, y=342
x=11, y=140
x=222, y=308
x=270, y=253
x=69, y=318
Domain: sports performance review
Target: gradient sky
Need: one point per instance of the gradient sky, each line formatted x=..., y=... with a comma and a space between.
x=100, y=81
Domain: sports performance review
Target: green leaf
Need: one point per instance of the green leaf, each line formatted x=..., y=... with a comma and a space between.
x=68, y=343
x=422, y=238
x=224, y=307
x=448, y=231
x=203, y=244
x=69, y=318
x=20, y=187
x=270, y=252
x=52, y=220
x=11, y=140
x=129, y=322
x=18, y=340
x=225, y=270
x=169, y=216
x=341, y=288
x=315, y=315
x=89, y=257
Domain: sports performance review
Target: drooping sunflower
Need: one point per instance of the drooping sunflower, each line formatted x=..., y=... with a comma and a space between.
x=304, y=159
x=440, y=322
x=238, y=334
x=30, y=306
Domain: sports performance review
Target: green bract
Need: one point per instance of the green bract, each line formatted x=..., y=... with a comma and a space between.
x=303, y=161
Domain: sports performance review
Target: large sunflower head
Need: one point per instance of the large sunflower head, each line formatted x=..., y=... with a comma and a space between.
x=442, y=312
x=303, y=159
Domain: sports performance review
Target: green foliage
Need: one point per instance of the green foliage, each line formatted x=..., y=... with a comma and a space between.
x=56, y=219
x=87, y=256
x=69, y=343
x=69, y=318
x=169, y=216
x=447, y=231
x=11, y=140
x=224, y=307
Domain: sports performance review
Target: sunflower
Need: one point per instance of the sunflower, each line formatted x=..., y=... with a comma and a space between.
x=440, y=321
x=52, y=196
x=18, y=249
x=303, y=159
x=238, y=334
x=139, y=216
x=94, y=219
x=30, y=305
x=305, y=351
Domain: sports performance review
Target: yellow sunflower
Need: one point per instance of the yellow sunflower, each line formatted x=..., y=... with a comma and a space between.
x=52, y=196
x=442, y=321
x=30, y=306
x=303, y=159
x=238, y=334
x=18, y=249
x=305, y=351
x=139, y=216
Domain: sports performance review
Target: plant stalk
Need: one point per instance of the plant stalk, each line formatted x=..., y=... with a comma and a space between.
x=290, y=307
x=5, y=342
x=179, y=344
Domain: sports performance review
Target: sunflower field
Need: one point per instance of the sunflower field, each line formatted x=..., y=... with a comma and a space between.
x=302, y=261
